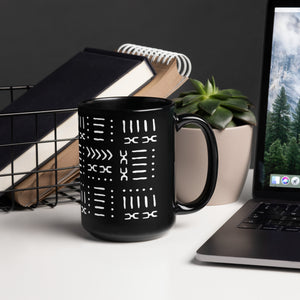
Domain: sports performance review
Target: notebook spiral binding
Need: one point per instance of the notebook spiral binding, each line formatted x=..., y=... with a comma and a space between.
x=62, y=192
x=159, y=56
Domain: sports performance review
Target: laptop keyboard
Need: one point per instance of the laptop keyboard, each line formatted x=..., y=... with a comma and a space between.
x=277, y=217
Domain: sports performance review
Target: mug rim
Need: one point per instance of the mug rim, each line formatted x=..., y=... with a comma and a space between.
x=162, y=103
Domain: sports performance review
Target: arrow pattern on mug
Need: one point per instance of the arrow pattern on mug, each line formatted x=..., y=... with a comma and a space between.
x=133, y=158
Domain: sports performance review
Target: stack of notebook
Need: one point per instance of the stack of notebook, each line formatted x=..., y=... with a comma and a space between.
x=41, y=149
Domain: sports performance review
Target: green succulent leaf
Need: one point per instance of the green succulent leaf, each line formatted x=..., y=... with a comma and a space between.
x=178, y=103
x=186, y=100
x=209, y=87
x=235, y=104
x=213, y=83
x=191, y=126
x=188, y=109
x=193, y=92
x=177, y=100
x=233, y=93
x=200, y=88
x=209, y=105
x=220, y=118
x=231, y=124
x=247, y=117
x=220, y=96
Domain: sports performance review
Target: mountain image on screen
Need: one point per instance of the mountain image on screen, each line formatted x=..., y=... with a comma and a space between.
x=282, y=140
x=285, y=60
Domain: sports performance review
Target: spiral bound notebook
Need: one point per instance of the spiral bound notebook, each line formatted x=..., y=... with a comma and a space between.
x=172, y=70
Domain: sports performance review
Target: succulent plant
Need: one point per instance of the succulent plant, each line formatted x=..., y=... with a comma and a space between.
x=220, y=108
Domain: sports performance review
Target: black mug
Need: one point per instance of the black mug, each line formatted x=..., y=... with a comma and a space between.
x=126, y=152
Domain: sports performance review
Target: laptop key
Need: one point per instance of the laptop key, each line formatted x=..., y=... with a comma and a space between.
x=270, y=227
x=251, y=221
x=257, y=217
x=296, y=213
x=248, y=225
x=291, y=208
x=274, y=222
x=290, y=229
x=262, y=208
x=277, y=208
x=284, y=223
x=274, y=217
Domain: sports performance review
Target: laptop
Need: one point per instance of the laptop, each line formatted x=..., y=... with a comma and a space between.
x=266, y=230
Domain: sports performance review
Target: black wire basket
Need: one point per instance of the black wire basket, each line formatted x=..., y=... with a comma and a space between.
x=58, y=192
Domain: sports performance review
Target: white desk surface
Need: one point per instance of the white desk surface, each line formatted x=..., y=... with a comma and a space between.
x=45, y=254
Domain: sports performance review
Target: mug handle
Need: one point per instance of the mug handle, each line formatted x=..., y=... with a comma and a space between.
x=212, y=170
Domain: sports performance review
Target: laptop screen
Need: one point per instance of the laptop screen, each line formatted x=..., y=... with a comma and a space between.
x=279, y=162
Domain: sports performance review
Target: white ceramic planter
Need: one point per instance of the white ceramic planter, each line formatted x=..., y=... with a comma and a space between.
x=234, y=147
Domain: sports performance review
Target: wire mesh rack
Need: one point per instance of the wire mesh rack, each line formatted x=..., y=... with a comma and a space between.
x=56, y=190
